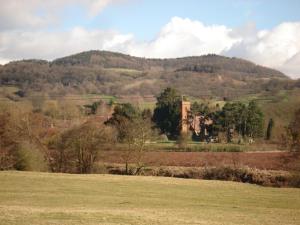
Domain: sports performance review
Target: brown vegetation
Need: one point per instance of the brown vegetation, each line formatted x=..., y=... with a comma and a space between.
x=227, y=173
x=118, y=74
x=76, y=149
x=259, y=160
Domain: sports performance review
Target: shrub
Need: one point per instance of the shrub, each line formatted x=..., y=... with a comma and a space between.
x=76, y=150
x=241, y=174
x=295, y=180
x=100, y=168
x=217, y=148
x=7, y=159
x=183, y=140
x=29, y=158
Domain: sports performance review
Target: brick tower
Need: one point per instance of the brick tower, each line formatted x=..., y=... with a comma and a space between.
x=185, y=108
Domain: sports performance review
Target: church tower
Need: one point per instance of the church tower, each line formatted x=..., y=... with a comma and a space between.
x=185, y=109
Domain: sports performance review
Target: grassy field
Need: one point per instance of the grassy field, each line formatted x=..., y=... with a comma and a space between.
x=42, y=198
x=124, y=71
x=196, y=146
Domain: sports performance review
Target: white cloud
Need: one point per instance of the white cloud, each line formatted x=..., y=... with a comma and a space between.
x=32, y=14
x=95, y=7
x=3, y=61
x=184, y=37
x=292, y=66
x=50, y=45
x=278, y=48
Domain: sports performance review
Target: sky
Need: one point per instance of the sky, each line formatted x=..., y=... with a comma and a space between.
x=266, y=32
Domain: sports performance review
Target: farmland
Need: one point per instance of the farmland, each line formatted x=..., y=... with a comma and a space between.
x=260, y=160
x=124, y=112
x=43, y=198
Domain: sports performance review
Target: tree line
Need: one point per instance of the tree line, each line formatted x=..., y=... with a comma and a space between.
x=29, y=141
x=245, y=119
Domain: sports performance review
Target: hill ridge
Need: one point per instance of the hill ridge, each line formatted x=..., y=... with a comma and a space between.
x=114, y=73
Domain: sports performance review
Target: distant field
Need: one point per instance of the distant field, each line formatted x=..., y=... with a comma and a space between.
x=124, y=71
x=260, y=160
x=196, y=146
x=42, y=198
x=8, y=89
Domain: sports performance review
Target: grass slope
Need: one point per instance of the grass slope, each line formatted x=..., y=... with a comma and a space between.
x=281, y=106
x=42, y=198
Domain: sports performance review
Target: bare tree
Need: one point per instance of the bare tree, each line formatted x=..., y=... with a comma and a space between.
x=76, y=150
x=20, y=125
x=138, y=132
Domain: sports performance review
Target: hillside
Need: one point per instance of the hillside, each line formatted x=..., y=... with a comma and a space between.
x=207, y=63
x=281, y=107
x=43, y=198
x=102, y=72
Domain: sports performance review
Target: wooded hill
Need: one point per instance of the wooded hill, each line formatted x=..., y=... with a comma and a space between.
x=118, y=74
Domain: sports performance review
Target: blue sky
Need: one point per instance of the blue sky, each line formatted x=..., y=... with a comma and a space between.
x=266, y=32
x=144, y=18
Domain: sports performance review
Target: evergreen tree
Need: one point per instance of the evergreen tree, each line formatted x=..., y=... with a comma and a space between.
x=202, y=108
x=167, y=112
x=243, y=119
x=270, y=129
x=255, y=120
x=122, y=115
x=293, y=132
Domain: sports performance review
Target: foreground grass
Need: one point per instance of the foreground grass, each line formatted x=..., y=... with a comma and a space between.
x=42, y=198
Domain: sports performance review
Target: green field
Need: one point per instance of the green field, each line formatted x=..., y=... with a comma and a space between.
x=125, y=71
x=196, y=146
x=43, y=198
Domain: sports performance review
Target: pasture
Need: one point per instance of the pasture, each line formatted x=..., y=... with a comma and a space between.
x=43, y=198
